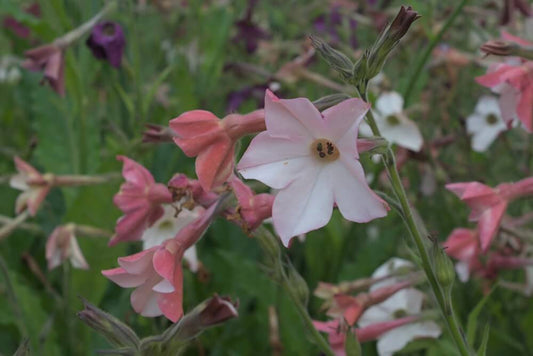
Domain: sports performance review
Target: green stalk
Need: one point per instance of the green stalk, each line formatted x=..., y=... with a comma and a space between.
x=443, y=300
x=425, y=56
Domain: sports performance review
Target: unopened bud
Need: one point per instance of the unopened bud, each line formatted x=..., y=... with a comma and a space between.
x=336, y=60
x=329, y=101
x=373, y=145
x=444, y=267
x=114, y=330
x=157, y=134
x=352, y=347
x=298, y=284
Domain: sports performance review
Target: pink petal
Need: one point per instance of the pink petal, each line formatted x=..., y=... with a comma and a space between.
x=194, y=123
x=341, y=117
x=275, y=161
x=24, y=167
x=489, y=223
x=135, y=173
x=36, y=198
x=461, y=244
x=305, y=204
x=215, y=164
x=123, y=278
x=144, y=300
x=130, y=227
x=292, y=118
x=171, y=304
x=524, y=110
x=165, y=263
x=356, y=201
x=508, y=102
x=138, y=263
x=506, y=36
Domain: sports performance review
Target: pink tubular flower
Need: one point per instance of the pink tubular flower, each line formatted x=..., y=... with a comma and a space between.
x=514, y=82
x=62, y=245
x=312, y=159
x=252, y=209
x=200, y=133
x=140, y=198
x=489, y=204
x=50, y=60
x=157, y=273
x=34, y=185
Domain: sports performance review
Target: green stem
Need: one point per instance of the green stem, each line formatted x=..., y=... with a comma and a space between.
x=425, y=56
x=21, y=320
x=443, y=300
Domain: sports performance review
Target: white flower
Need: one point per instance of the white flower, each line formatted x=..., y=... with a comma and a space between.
x=485, y=124
x=168, y=226
x=403, y=303
x=393, y=124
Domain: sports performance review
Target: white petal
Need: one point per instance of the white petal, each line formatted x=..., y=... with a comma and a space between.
x=475, y=123
x=463, y=271
x=341, y=118
x=405, y=134
x=386, y=269
x=163, y=287
x=487, y=105
x=76, y=257
x=353, y=196
x=192, y=258
x=374, y=314
x=398, y=338
x=274, y=161
x=304, y=205
x=389, y=103
x=151, y=308
x=483, y=139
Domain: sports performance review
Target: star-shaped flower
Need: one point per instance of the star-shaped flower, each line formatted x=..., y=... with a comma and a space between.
x=312, y=158
x=485, y=124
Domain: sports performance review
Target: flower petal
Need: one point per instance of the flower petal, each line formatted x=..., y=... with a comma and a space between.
x=342, y=117
x=398, y=338
x=123, y=278
x=389, y=103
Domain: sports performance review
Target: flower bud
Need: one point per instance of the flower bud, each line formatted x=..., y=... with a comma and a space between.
x=444, y=267
x=352, y=347
x=298, y=284
x=329, y=100
x=115, y=331
x=107, y=42
x=336, y=60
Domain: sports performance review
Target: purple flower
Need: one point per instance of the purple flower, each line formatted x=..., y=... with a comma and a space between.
x=107, y=42
x=248, y=32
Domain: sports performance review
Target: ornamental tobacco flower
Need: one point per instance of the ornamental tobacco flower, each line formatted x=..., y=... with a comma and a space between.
x=312, y=158
x=62, y=245
x=140, y=198
x=485, y=124
x=107, y=42
x=50, y=60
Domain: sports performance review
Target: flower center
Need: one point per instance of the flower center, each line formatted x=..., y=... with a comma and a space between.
x=399, y=313
x=109, y=29
x=392, y=120
x=324, y=150
x=491, y=119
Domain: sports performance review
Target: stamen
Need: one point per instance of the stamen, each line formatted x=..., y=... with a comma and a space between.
x=331, y=153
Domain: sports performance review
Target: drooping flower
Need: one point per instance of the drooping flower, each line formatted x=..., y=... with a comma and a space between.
x=50, y=60
x=513, y=80
x=157, y=273
x=485, y=124
x=200, y=133
x=393, y=124
x=107, y=42
x=404, y=303
x=140, y=199
x=312, y=159
x=34, y=185
x=489, y=204
x=62, y=245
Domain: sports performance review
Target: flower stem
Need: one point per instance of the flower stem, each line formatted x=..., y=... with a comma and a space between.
x=443, y=299
x=425, y=56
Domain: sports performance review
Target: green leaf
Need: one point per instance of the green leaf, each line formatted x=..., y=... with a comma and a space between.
x=482, y=351
x=471, y=325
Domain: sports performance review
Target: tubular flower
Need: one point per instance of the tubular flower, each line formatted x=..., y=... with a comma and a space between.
x=51, y=61
x=140, y=198
x=200, y=133
x=312, y=158
x=62, y=245
x=489, y=204
x=157, y=273
x=107, y=42
x=34, y=185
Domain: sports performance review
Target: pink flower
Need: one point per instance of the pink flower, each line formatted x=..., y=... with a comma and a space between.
x=50, y=60
x=463, y=245
x=62, y=245
x=200, y=133
x=514, y=82
x=157, y=273
x=489, y=204
x=312, y=159
x=252, y=209
x=33, y=184
x=140, y=198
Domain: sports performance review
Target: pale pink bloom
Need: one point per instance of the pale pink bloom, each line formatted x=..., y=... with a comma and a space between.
x=157, y=273
x=252, y=209
x=168, y=226
x=34, y=185
x=485, y=124
x=140, y=199
x=393, y=124
x=50, y=60
x=200, y=133
x=513, y=80
x=337, y=337
x=62, y=245
x=312, y=159
x=489, y=204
